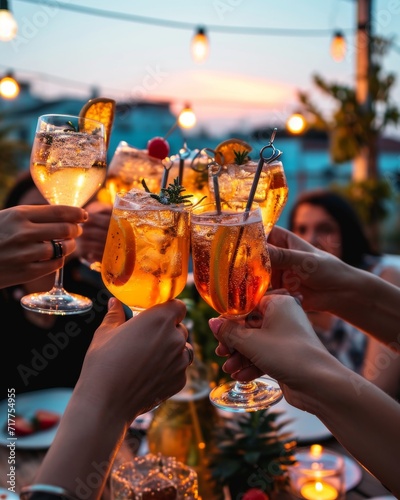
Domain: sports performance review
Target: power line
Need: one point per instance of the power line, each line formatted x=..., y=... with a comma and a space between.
x=246, y=30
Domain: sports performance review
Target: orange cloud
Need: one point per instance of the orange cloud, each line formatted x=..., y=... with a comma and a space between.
x=225, y=96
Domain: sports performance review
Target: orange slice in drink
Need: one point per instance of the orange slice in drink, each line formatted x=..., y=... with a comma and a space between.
x=225, y=151
x=222, y=249
x=120, y=251
x=101, y=109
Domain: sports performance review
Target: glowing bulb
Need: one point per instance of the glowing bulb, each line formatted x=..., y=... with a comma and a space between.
x=200, y=46
x=338, y=47
x=296, y=123
x=9, y=88
x=8, y=26
x=187, y=118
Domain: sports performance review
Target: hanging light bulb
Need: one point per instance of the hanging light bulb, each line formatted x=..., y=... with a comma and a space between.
x=296, y=123
x=9, y=88
x=200, y=46
x=338, y=46
x=187, y=118
x=8, y=26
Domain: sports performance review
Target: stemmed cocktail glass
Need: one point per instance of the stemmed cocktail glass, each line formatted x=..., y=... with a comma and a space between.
x=146, y=256
x=232, y=271
x=128, y=166
x=68, y=166
x=235, y=182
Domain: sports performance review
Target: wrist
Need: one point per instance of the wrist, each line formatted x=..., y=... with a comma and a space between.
x=352, y=293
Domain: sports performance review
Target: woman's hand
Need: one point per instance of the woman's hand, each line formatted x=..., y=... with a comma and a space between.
x=134, y=365
x=26, y=231
x=315, y=276
x=276, y=339
x=90, y=245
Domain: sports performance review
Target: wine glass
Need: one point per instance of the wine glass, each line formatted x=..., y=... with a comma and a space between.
x=68, y=166
x=126, y=170
x=232, y=272
x=146, y=255
x=236, y=181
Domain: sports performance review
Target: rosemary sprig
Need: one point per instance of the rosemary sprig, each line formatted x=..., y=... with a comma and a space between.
x=171, y=195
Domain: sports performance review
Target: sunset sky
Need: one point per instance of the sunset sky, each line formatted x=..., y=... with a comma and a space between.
x=248, y=79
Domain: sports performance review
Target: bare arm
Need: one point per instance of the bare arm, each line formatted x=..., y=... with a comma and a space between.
x=381, y=363
x=361, y=416
x=126, y=372
x=325, y=283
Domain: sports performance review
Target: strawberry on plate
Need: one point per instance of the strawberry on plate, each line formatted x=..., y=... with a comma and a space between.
x=45, y=419
x=23, y=426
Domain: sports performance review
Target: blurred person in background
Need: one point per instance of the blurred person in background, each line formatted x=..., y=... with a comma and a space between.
x=329, y=222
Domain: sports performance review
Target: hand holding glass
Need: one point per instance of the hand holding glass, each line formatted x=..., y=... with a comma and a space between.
x=232, y=272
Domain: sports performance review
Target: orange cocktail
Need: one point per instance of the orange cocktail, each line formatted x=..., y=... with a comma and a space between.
x=231, y=265
x=232, y=271
x=145, y=260
x=235, y=182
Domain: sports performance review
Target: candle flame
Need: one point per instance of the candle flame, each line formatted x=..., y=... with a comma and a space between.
x=316, y=450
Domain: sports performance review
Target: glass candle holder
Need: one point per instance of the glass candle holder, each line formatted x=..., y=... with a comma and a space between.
x=318, y=474
x=153, y=475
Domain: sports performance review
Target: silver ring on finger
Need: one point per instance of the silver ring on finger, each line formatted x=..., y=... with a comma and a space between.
x=190, y=352
x=58, y=251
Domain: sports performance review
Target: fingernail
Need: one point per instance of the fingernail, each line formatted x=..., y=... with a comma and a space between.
x=111, y=302
x=85, y=215
x=215, y=324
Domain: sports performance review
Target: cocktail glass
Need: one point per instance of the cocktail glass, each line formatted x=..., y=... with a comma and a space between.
x=232, y=272
x=235, y=182
x=68, y=166
x=128, y=166
x=146, y=255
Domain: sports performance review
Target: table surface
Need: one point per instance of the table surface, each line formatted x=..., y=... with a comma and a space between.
x=28, y=461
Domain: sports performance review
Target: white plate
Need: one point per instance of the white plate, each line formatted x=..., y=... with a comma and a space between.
x=26, y=404
x=8, y=495
x=304, y=426
x=352, y=473
x=386, y=497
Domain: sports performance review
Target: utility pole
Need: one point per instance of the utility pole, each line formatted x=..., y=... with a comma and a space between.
x=365, y=164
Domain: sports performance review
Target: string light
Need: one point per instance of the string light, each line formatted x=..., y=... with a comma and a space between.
x=169, y=23
x=200, y=46
x=9, y=87
x=8, y=25
x=296, y=123
x=186, y=119
x=338, y=46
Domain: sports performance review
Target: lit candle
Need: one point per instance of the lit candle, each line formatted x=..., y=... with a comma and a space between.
x=318, y=490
